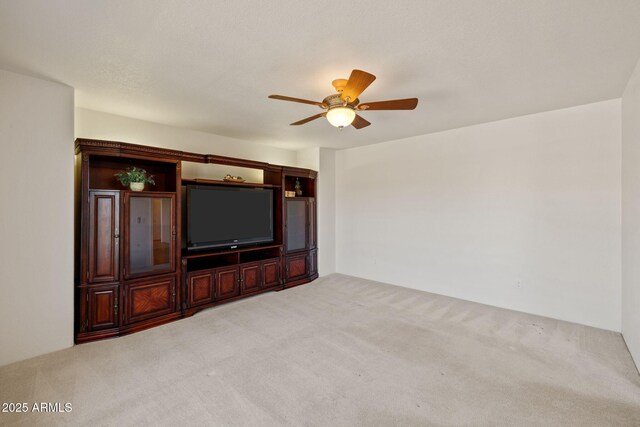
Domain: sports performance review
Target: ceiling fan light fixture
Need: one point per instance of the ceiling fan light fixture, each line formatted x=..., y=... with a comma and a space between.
x=341, y=116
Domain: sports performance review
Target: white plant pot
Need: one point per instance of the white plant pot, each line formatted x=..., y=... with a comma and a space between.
x=136, y=186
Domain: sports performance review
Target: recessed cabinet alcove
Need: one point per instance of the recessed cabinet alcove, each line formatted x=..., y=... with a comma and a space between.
x=132, y=268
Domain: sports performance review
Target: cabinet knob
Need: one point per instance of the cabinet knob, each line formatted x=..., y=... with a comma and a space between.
x=116, y=236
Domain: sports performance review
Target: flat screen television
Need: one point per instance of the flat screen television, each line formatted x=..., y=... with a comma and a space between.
x=219, y=217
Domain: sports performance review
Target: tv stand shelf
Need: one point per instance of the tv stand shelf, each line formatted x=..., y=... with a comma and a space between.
x=132, y=269
x=229, y=183
x=203, y=254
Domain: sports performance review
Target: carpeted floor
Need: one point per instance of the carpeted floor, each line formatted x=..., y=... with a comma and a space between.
x=339, y=352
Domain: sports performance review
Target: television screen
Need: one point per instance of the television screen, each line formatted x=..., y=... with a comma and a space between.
x=227, y=216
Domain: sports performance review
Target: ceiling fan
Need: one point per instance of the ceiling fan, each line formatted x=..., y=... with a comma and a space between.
x=341, y=107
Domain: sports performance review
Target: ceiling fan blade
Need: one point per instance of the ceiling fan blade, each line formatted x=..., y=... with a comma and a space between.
x=308, y=119
x=358, y=81
x=396, y=104
x=303, y=101
x=359, y=122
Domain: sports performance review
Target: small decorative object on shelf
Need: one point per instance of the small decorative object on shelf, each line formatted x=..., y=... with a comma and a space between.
x=231, y=178
x=298, y=188
x=289, y=194
x=135, y=178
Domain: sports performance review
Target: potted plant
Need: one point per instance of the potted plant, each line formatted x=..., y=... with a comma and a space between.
x=135, y=178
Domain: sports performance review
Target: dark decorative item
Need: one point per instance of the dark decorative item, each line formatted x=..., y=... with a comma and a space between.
x=298, y=188
x=135, y=178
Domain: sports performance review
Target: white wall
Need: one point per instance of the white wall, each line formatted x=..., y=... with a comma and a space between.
x=631, y=214
x=36, y=241
x=309, y=158
x=522, y=213
x=327, y=212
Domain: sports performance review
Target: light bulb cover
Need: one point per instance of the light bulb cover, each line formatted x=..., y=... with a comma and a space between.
x=341, y=116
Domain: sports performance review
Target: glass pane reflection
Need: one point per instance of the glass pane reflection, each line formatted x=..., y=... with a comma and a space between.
x=296, y=224
x=150, y=239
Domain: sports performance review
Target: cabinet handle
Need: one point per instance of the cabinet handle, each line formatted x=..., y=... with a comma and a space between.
x=116, y=236
x=115, y=309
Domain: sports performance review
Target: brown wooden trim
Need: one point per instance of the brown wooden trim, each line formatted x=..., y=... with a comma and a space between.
x=117, y=148
x=300, y=281
x=299, y=172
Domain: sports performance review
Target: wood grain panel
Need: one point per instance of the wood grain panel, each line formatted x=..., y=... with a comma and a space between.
x=271, y=273
x=200, y=288
x=103, y=308
x=148, y=299
x=249, y=277
x=227, y=283
x=104, y=239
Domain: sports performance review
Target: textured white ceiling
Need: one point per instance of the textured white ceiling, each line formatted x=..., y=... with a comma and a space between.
x=210, y=65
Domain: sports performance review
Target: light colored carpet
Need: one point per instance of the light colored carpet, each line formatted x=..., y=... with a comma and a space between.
x=339, y=352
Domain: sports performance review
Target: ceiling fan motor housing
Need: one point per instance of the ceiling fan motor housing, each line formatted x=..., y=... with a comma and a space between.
x=334, y=100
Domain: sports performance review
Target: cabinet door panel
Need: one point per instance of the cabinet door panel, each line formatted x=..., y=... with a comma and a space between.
x=296, y=225
x=313, y=262
x=144, y=300
x=270, y=273
x=149, y=233
x=249, y=278
x=227, y=283
x=104, y=236
x=311, y=229
x=296, y=266
x=103, y=308
x=200, y=288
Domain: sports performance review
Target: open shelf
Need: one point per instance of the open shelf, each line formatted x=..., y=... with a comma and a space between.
x=229, y=183
x=189, y=255
x=103, y=169
x=224, y=258
x=307, y=185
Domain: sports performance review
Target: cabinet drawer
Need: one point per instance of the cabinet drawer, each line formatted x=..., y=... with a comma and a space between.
x=200, y=288
x=150, y=298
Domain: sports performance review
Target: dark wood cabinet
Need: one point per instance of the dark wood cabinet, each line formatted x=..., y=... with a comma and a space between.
x=227, y=282
x=104, y=237
x=200, y=288
x=103, y=309
x=149, y=298
x=131, y=270
x=250, y=278
x=300, y=232
x=208, y=286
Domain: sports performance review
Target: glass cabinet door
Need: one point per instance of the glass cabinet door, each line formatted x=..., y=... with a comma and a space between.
x=296, y=224
x=150, y=233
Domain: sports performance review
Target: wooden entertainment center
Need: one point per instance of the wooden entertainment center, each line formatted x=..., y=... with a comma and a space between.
x=132, y=271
